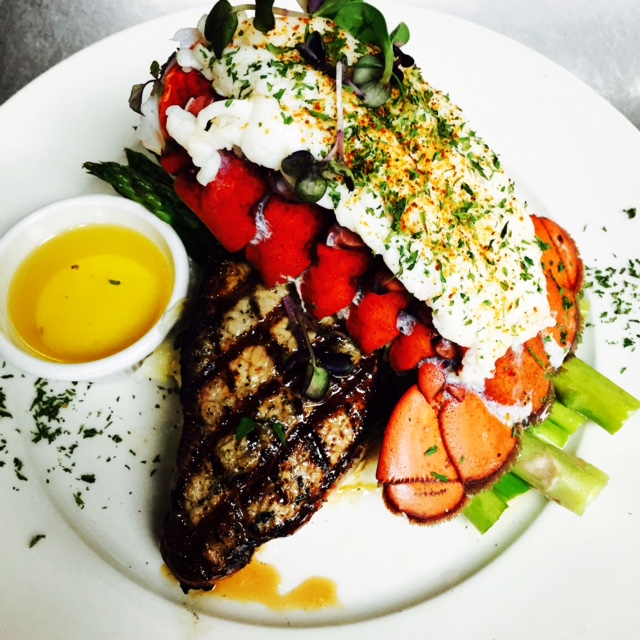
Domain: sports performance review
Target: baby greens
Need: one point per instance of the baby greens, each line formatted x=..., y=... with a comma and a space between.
x=360, y=19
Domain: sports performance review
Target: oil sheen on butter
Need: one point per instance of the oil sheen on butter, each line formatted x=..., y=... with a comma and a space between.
x=89, y=293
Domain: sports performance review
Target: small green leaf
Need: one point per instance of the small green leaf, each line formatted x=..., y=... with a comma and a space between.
x=367, y=23
x=278, y=429
x=330, y=8
x=400, y=35
x=368, y=68
x=135, y=97
x=155, y=69
x=431, y=450
x=342, y=169
x=298, y=164
x=318, y=384
x=264, y=20
x=375, y=93
x=244, y=428
x=220, y=26
x=34, y=541
x=311, y=187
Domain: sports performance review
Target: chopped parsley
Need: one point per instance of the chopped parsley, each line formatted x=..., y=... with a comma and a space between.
x=34, y=541
x=46, y=408
x=619, y=288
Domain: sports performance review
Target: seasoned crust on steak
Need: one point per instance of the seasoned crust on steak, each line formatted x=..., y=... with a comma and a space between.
x=238, y=360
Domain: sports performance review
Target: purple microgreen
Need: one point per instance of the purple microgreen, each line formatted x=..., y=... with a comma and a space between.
x=298, y=163
x=314, y=5
x=316, y=380
x=338, y=363
x=314, y=51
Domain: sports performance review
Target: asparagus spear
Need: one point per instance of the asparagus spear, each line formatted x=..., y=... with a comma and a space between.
x=144, y=181
x=588, y=395
x=581, y=388
x=558, y=475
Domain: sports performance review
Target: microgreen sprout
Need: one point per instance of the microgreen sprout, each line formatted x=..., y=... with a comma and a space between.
x=362, y=20
x=316, y=382
x=222, y=22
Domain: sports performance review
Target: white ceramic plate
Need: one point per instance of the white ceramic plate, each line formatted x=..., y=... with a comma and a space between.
x=541, y=572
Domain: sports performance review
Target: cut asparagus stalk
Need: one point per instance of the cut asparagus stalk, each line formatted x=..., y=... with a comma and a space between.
x=510, y=486
x=568, y=419
x=558, y=475
x=553, y=433
x=485, y=509
x=581, y=388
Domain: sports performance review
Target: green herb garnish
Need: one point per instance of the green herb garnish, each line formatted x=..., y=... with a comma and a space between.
x=34, y=541
x=244, y=428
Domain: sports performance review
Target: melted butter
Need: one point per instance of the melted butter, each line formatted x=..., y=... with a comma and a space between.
x=89, y=293
x=260, y=583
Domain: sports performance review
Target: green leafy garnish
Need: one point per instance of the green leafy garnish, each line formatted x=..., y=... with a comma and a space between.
x=244, y=428
x=221, y=26
x=34, y=541
x=362, y=20
x=264, y=20
x=367, y=23
x=278, y=429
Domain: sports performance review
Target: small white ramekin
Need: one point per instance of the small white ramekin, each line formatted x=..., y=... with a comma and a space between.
x=25, y=236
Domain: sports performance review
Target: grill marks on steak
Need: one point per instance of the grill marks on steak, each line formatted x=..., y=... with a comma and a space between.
x=232, y=495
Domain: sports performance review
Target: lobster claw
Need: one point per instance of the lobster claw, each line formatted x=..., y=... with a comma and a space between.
x=441, y=445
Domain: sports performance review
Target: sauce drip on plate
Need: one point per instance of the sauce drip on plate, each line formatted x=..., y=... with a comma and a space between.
x=259, y=583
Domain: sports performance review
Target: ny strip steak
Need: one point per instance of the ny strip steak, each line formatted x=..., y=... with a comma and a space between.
x=256, y=457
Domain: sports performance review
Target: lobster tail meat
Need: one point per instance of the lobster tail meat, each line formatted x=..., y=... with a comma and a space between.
x=256, y=458
x=227, y=204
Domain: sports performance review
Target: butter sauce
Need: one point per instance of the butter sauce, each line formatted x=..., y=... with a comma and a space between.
x=89, y=293
x=259, y=583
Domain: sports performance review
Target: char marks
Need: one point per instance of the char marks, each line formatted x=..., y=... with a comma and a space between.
x=239, y=362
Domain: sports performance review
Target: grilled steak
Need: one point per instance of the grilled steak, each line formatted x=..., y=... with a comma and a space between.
x=256, y=457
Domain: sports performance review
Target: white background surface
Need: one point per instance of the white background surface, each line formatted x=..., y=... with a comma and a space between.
x=564, y=577
x=596, y=40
